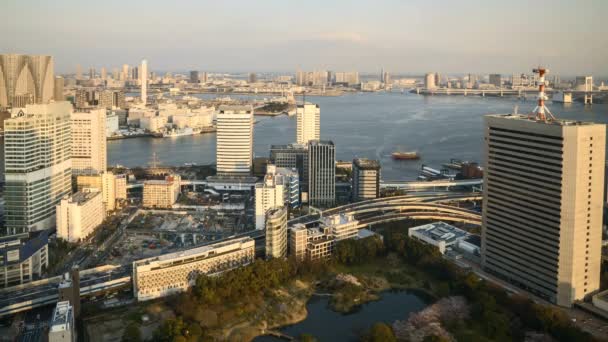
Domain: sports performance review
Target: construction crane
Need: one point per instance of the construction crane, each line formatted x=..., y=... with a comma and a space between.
x=541, y=111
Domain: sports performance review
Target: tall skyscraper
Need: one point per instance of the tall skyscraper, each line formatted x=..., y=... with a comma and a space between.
x=308, y=121
x=366, y=179
x=194, y=76
x=496, y=80
x=58, y=89
x=268, y=194
x=234, y=140
x=204, y=78
x=26, y=76
x=89, y=154
x=134, y=73
x=104, y=73
x=276, y=233
x=125, y=72
x=321, y=173
x=38, y=165
x=429, y=81
x=292, y=156
x=542, y=209
x=144, y=81
x=92, y=73
x=78, y=72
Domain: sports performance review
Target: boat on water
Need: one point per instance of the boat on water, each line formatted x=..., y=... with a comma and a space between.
x=179, y=132
x=405, y=155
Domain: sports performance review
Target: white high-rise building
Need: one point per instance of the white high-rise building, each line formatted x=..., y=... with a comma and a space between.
x=308, y=123
x=543, y=203
x=276, y=233
x=78, y=215
x=89, y=155
x=234, y=148
x=38, y=165
x=429, y=81
x=62, y=327
x=26, y=79
x=268, y=194
x=124, y=75
x=143, y=71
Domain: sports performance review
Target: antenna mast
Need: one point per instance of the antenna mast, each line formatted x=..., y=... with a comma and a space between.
x=541, y=110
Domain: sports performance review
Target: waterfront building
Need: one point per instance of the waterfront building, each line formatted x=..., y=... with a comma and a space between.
x=62, y=327
x=58, y=89
x=293, y=156
x=23, y=257
x=38, y=165
x=79, y=215
x=308, y=122
x=29, y=76
x=194, y=76
x=89, y=147
x=268, y=194
x=321, y=173
x=542, y=208
x=429, y=81
x=366, y=179
x=172, y=273
x=234, y=140
x=276, y=233
x=153, y=123
x=113, y=187
x=144, y=81
x=112, y=124
x=496, y=80
x=348, y=78
x=161, y=193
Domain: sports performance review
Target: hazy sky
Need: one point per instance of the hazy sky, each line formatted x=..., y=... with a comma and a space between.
x=457, y=36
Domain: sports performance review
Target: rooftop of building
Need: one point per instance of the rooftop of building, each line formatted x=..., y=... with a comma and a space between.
x=320, y=142
x=441, y=231
x=532, y=118
x=82, y=197
x=61, y=317
x=235, y=108
x=369, y=164
x=191, y=252
x=301, y=105
x=232, y=179
x=292, y=146
x=275, y=212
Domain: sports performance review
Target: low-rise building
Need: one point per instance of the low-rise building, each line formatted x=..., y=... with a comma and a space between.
x=161, y=193
x=23, y=257
x=113, y=187
x=153, y=123
x=79, y=215
x=310, y=243
x=341, y=226
x=438, y=234
x=175, y=272
x=62, y=328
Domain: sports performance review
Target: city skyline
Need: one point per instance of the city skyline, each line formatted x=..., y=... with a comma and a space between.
x=411, y=37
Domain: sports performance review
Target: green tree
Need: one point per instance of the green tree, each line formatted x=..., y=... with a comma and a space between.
x=380, y=332
x=132, y=333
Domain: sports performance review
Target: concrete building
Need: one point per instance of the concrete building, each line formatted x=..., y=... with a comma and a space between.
x=310, y=243
x=276, y=233
x=429, y=81
x=112, y=99
x=308, y=121
x=144, y=81
x=341, y=226
x=542, y=208
x=58, y=89
x=321, y=173
x=89, y=151
x=366, y=179
x=62, y=327
x=26, y=75
x=153, y=123
x=348, y=78
x=113, y=187
x=291, y=185
x=234, y=140
x=438, y=234
x=175, y=272
x=268, y=194
x=79, y=215
x=161, y=193
x=253, y=78
x=38, y=165
x=23, y=257
x=112, y=124
x=496, y=80
x=293, y=156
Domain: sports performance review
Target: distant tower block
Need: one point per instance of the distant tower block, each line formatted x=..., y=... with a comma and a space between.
x=144, y=81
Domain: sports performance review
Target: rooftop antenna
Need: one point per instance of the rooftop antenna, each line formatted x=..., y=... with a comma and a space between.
x=540, y=111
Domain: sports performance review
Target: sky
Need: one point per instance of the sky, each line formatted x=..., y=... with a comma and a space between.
x=401, y=36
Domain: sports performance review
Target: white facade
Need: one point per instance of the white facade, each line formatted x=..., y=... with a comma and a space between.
x=161, y=193
x=268, y=194
x=79, y=215
x=112, y=125
x=153, y=124
x=62, y=328
x=89, y=150
x=429, y=81
x=175, y=272
x=234, y=140
x=38, y=165
x=113, y=187
x=341, y=226
x=308, y=118
x=276, y=233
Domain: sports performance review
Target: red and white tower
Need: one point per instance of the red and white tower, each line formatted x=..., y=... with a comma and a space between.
x=541, y=111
